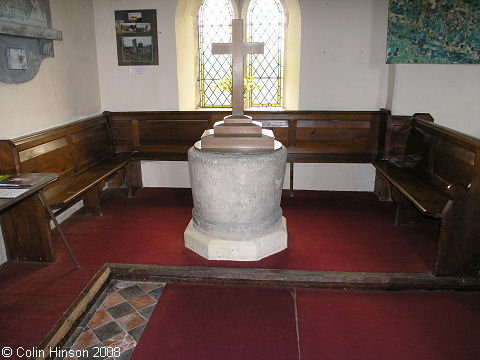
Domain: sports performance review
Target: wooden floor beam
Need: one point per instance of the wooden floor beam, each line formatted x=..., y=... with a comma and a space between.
x=293, y=278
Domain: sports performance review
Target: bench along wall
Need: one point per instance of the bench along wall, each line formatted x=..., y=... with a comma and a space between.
x=82, y=155
x=66, y=87
x=310, y=137
x=432, y=172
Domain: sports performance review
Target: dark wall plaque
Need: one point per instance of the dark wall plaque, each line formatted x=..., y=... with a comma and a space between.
x=26, y=38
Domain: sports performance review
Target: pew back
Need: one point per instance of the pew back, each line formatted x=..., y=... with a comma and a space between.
x=81, y=153
x=66, y=150
x=443, y=156
x=309, y=136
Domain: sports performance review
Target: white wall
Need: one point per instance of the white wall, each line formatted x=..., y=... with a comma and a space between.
x=342, y=68
x=66, y=87
x=343, y=55
x=450, y=93
x=122, y=91
x=176, y=174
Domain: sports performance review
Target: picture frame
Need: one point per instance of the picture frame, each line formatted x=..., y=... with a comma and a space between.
x=136, y=35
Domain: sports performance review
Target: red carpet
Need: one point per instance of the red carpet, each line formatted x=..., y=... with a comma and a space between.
x=219, y=322
x=327, y=231
x=388, y=325
x=216, y=322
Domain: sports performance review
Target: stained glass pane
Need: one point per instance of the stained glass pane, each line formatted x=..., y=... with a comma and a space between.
x=214, y=26
x=266, y=23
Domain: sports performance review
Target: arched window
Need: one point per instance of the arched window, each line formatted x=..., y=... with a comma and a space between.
x=214, y=26
x=197, y=69
x=266, y=23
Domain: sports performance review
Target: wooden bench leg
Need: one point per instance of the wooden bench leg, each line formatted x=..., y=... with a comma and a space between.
x=134, y=177
x=91, y=200
x=382, y=187
x=27, y=233
x=291, y=192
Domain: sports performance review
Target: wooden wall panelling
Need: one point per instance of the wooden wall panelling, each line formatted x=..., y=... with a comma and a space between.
x=135, y=135
x=165, y=131
x=91, y=145
x=121, y=133
x=53, y=156
x=310, y=136
x=171, y=132
x=122, y=136
x=335, y=137
x=280, y=129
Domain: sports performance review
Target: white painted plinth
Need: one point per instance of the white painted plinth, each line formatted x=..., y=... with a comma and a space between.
x=253, y=249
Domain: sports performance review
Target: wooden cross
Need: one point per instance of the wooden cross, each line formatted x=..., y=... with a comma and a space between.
x=238, y=48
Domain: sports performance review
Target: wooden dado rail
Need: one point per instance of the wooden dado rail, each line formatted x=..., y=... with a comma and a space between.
x=430, y=171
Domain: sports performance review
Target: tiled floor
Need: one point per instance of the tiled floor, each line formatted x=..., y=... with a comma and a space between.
x=115, y=323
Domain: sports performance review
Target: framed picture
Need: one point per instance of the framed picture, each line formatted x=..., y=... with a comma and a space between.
x=136, y=32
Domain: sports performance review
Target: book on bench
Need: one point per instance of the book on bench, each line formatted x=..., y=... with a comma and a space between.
x=19, y=181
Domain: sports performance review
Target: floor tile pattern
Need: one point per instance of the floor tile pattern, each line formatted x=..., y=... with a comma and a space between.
x=115, y=323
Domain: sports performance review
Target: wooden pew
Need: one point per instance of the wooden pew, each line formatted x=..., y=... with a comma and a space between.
x=309, y=136
x=436, y=176
x=432, y=172
x=81, y=153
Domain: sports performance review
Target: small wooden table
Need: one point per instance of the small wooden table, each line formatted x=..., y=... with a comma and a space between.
x=26, y=224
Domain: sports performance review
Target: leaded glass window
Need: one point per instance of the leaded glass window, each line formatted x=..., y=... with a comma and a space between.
x=266, y=23
x=214, y=26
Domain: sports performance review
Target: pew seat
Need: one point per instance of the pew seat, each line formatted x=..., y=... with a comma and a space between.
x=416, y=187
x=73, y=188
x=438, y=178
x=83, y=156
